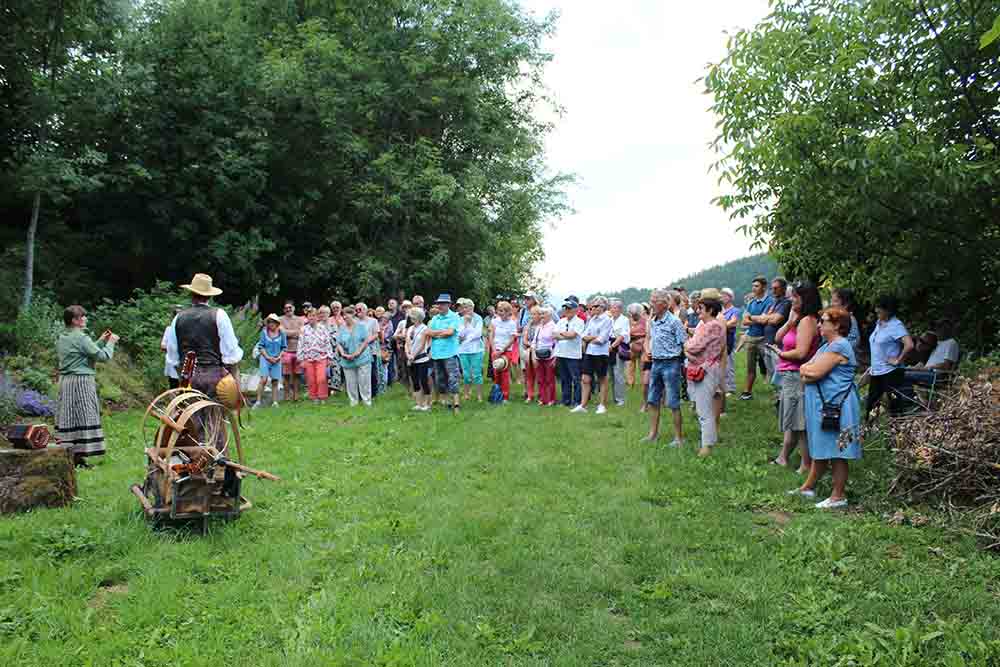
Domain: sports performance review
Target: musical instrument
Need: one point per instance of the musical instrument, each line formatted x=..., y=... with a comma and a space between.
x=28, y=436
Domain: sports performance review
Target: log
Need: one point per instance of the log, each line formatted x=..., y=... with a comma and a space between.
x=36, y=478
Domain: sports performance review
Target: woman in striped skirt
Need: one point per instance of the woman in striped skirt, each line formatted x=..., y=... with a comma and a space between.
x=78, y=419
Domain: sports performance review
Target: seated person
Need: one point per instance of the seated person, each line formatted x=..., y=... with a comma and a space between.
x=944, y=357
x=922, y=349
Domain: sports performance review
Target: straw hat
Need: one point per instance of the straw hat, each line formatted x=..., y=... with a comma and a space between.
x=202, y=284
x=274, y=317
x=711, y=294
x=500, y=364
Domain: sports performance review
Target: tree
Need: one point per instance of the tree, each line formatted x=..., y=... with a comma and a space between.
x=859, y=140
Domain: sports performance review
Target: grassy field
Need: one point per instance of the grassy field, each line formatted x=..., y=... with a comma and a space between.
x=510, y=535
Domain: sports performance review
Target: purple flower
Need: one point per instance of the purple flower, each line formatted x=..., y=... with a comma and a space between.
x=31, y=403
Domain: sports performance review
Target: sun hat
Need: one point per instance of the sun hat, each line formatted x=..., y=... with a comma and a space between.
x=500, y=364
x=274, y=317
x=711, y=294
x=444, y=297
x=201, y=284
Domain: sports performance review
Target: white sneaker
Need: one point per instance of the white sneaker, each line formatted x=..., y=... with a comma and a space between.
x=368, y=404
x=256, y=404
x=354, y=404
x=418, y=408
x=579, y=408
x=274, y=404
x=676, y=444
x=600, y=409
x=425, y=408
x=831, y=504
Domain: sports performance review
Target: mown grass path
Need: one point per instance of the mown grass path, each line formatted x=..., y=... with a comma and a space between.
x=510, y=535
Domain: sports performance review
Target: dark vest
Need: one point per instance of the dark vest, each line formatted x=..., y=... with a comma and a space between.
x=197, y=330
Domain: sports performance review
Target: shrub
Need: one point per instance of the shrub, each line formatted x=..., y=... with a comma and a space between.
x=8, y=402
x=37, y=328
x=36, y=380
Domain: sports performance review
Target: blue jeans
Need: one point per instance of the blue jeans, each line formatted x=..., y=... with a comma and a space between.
x=666, y=376
x=569, y=377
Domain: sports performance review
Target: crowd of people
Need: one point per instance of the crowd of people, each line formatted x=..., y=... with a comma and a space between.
x=679, y=347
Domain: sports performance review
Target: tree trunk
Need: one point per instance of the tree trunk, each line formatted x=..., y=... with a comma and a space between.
x=31, y=478
x=29, y=251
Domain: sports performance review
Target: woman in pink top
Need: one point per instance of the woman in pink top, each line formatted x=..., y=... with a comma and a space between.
x=799, y=338
x=704, y=351
x=542, y=348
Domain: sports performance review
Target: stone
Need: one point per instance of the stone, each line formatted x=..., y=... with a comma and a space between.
x=31, y=478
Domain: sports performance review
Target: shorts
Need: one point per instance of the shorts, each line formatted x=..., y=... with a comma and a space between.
x=596, y=366
x=269, y=369
x=755, y=349
x=792, y=415
x=647, y=365
x=665, y=376
x=447, y=373
x=290, y=364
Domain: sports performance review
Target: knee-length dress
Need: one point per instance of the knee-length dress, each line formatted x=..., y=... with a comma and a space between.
x=837, y=386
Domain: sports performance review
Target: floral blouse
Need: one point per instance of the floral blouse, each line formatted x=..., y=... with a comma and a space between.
x=314, y=342
x=707, y=345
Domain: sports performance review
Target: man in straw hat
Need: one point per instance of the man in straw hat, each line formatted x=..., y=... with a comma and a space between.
x=208, y=332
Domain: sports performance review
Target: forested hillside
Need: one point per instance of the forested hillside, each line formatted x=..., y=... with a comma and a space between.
x=736, y=274
x=348, y=148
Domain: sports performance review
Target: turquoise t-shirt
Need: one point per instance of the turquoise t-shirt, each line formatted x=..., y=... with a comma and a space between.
x=350, y=340
x=445, y=348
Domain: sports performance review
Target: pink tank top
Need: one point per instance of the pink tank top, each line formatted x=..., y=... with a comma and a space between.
x=788, y=343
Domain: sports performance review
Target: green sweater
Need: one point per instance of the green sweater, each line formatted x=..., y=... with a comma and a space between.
x=78, y=353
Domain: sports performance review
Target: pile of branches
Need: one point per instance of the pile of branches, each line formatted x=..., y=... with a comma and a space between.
x=951, y=454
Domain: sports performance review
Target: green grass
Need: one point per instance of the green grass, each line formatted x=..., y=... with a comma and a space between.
x=508, y=535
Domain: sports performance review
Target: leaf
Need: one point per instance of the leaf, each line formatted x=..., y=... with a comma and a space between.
x=990, y=35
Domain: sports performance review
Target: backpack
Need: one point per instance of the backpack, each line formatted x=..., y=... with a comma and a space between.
x=496, y=395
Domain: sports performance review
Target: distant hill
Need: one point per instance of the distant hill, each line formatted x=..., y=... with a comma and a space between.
x=737, y=274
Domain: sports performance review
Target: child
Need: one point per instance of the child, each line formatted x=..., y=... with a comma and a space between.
x=270, y=347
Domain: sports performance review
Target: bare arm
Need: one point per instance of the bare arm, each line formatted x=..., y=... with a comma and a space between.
x=820, y=366
x=805, y=334
x=907, y=348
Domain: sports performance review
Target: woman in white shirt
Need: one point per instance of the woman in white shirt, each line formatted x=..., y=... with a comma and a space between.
x=503, y=342
x=470, y=349
x=418, y=358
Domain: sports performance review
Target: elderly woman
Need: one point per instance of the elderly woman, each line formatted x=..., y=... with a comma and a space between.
x=704, y=372
x=834, y=432
x=597, y=338
x=336, y=315
x=503, y=343
x=417, y=347
x=798, y=338
x=470, y=349
x=78, y=417
x=333, y=376
x=542, y=351
x=637, y=338
x=890, y=344
x=315, y=350
x=528, y=331
x=354, y=348
x=619, y=352
x=366, y=319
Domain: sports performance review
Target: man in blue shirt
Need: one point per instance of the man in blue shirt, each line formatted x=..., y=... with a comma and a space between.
x=665, y=344
x=443, y=332
x=755, y=318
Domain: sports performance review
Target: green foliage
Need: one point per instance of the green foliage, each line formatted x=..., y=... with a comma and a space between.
x=990, y=35
x=859, y=142
x=37, y=328
x=737, y=274
x=36, y=379
x=8, y=407
x=289, y=149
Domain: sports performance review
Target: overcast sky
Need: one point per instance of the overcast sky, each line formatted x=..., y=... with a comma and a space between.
x=635, y=132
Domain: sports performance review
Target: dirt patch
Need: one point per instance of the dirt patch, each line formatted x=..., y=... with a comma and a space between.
x=632, y=645
x=772, y=521
x=106, y=592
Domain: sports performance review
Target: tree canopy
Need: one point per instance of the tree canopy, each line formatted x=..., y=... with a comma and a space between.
x=321, y=149
x=858, y=141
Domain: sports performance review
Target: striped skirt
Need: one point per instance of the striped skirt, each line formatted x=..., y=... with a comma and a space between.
x=78, y=417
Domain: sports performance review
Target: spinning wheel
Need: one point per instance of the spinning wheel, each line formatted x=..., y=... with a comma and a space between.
x=187, y=418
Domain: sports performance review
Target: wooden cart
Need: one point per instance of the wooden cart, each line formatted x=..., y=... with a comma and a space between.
x=189, y=474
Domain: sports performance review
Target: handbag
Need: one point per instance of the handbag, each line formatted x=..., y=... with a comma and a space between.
x=624, y=352
x=694, y=373
x=543, y=354
x=830, y=413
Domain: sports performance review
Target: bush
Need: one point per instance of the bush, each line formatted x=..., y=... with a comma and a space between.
x=37, y=328
x=8, y=402
x=36, y=380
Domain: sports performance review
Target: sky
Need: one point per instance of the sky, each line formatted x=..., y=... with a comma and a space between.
x=635, y=132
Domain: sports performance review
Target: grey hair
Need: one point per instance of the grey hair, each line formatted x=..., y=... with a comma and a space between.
x=663, y=294
x=615, y=302
x=635, y=309
x=417, y=314
x=548, y=310
x=361, y=305
x=466, y=302
x=600, y=300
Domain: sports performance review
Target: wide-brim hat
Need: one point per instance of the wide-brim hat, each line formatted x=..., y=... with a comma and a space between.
x=274, y=317
x=500, y=363
x=443, y=298
x=711, y=294
x=201, y=284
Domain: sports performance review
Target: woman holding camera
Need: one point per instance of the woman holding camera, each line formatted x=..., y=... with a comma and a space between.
x=78, y=417
x=833, y=411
